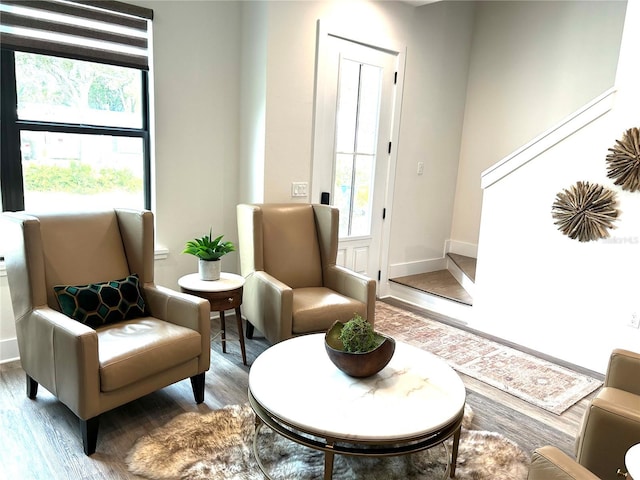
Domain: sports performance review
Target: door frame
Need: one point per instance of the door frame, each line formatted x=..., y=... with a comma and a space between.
x=323, y=31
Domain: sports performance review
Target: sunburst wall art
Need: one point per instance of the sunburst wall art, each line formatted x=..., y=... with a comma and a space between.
x=623, y=163
x=585, y=211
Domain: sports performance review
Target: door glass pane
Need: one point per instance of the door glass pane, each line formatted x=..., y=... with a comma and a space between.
x=71, y=171
x=72, y=91
x=342, y=190
x=347, y=110
x=363, y=188
x=370, y=79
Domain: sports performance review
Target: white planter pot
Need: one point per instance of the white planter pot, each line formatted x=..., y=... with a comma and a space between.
x=209, y=269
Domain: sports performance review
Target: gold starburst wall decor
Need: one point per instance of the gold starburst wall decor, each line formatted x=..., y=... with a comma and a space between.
x=585, y=211
x=623, y=163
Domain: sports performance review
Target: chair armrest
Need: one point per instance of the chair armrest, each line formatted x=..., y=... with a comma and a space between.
x=353, y=285
x=623, y=371
x=185, y=310
x=179, y=308
x=268, y=305
x=63, y=357
x=549, y=463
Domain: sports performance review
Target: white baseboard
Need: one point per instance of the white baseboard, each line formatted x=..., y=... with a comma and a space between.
x=413, y=268
x=461, y=248
x=9, y=350
x=455, y=310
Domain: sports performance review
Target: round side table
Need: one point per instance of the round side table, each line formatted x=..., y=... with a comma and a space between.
x=223, y=294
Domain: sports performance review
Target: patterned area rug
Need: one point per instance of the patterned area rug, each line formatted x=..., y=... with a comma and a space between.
x=534, y=380
x=219, y=445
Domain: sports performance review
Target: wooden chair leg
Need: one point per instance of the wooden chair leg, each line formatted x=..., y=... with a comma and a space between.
x=32, y=388
x=89, y=430
x=197, y=384
x=249, y=330
x=241, y=335
x=223, y=324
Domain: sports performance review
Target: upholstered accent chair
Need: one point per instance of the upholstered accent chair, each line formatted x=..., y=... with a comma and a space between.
x=611, y=423
x=293, y=285
x=610, y=426
x=112, y=351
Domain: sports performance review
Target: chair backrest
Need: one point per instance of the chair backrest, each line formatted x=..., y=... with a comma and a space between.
x=286, y=241
x=79, y=248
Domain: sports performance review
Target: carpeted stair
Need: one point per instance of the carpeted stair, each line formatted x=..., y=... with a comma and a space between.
x=455, y=283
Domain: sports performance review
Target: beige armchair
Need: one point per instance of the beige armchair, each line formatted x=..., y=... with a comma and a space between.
x=610, y=426
x=92, y=369
x=293, y=285
x=611, y=423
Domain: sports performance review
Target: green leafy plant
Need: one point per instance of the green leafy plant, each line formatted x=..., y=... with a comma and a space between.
x=357, y=335
x=206, y=248
x=79, y=178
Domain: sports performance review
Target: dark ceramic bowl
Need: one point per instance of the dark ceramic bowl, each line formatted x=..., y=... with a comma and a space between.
x=358, y=364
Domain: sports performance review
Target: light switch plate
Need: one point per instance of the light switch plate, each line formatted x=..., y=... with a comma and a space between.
x=299, y=189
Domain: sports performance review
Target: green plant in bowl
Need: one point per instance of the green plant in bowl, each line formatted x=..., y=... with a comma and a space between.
x=356, y=349
x=358, y=336
x=207, y=248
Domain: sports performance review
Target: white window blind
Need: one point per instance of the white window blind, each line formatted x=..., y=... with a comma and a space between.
x=99, y=31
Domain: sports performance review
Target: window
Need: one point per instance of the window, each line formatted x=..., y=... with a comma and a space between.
x=75, y=109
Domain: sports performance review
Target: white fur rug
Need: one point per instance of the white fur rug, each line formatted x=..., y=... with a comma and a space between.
x=219, y=445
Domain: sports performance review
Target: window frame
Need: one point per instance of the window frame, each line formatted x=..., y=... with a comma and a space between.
x=11, y=175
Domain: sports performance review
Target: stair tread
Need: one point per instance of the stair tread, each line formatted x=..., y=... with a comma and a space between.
x=440, y=283
x=466, y=264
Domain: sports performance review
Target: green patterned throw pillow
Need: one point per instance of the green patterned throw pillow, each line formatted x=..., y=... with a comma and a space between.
x=98, y=304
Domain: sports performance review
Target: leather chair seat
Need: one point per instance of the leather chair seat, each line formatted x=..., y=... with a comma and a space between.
x=314, y=306
x=132, y=350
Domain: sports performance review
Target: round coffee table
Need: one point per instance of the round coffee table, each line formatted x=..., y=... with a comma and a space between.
x=414, y=403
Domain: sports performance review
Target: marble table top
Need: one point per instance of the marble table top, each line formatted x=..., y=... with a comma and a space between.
x=415, y=394
x=228, y=281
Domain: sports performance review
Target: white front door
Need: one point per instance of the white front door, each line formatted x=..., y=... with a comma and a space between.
x=354, y=111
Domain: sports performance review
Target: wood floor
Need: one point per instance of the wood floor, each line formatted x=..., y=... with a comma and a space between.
x=41, y=438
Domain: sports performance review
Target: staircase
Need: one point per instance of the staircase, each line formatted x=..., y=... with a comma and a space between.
x=454, y=284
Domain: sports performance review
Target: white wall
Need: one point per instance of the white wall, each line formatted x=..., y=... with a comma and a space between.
x=437, y=39
x=292, y=29
x=532, y=64
x=431, y=128
x=8, y=344
x=253, y=88
x=196, y=94
x=539, y=288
